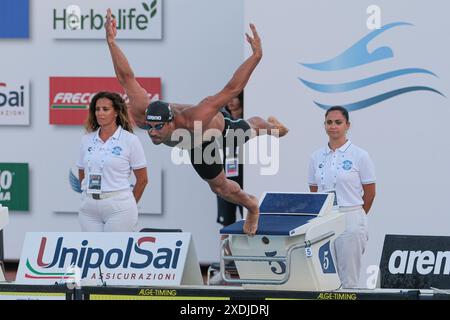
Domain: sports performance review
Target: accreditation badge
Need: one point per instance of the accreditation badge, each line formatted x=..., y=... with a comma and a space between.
x=94, y=185
x=335, y=203
x=231, y=167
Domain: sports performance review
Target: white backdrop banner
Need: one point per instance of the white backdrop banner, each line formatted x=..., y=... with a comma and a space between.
x=387, y=64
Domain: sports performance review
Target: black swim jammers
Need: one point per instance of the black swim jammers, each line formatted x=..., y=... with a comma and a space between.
x=235, y=131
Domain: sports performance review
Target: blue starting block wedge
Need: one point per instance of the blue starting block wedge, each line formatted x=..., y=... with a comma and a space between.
x=293, y=246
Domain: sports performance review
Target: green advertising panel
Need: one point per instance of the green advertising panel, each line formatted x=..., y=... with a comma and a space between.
x=14, y=186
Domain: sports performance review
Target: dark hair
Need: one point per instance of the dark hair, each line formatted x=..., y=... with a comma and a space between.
x=120, y=107
x=240, y=97
x=341, y=110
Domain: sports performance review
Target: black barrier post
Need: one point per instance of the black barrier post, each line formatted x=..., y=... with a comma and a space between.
x=78, y=294
x=2, y=265
x=1, y=246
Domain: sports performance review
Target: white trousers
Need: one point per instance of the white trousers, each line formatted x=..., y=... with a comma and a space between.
x=349, y=247
x=118, y=213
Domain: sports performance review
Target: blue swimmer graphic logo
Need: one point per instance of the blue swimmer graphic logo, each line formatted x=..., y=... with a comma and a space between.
x=347, y=165
x=356, y=56
x=74, y=182
x=117, y=151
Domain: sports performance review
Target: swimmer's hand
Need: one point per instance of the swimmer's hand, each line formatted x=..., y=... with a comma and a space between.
x=110, y=27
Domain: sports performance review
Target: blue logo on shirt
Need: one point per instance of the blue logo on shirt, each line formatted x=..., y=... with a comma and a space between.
x=14, y=19
x=117, y=151
x=347, y=165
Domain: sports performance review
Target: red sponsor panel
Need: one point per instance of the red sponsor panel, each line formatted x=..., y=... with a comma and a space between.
x=70, y=96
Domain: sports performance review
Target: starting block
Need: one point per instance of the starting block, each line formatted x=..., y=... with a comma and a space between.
x=4, y=219
x=293, y=247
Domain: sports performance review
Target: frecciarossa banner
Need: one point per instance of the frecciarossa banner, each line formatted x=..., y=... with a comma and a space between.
x=141, y=259
x=70, y=96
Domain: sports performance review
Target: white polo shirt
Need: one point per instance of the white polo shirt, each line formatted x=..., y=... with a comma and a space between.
x=114, y=158
x=345, y=170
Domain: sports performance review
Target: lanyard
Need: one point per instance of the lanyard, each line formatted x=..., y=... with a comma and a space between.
x=231, y=162
x=102, y=149
x=322, y=167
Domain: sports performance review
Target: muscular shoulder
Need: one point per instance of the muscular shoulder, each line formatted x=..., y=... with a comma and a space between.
x=180, y=108
x=137, y=115
x=181, y=114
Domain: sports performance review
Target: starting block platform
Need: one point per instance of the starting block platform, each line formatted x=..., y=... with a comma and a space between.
x=293, y=247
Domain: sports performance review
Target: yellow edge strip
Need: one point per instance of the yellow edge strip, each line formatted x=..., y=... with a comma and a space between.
x=42, y=294
x=132, y=297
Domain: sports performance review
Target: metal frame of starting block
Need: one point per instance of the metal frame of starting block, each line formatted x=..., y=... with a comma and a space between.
x=4, y=219
x=292, y=249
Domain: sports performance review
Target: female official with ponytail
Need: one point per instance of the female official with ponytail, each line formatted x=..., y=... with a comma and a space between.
x=346, y=170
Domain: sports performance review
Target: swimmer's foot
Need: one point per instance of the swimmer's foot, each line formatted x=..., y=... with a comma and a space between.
x=251, y=220
x=282, y=130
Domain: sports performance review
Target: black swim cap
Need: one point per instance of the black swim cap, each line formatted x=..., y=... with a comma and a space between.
x=159, y=111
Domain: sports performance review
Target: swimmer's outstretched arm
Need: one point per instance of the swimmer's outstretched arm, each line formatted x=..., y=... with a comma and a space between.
x=210, y=106
x=138, y=96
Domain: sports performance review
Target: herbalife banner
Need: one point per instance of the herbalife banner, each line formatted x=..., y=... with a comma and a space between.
x=84, y=19
x=137, y=259
x=415, y=262
x=14, y=186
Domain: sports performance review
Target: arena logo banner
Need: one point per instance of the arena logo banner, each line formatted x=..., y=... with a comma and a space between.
x=84, y=19
x=415, y=262
x=14, y=186
x=357, y=55
x=138, y=259
x=70, y=96
x=14, y=102
x=15, y=19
